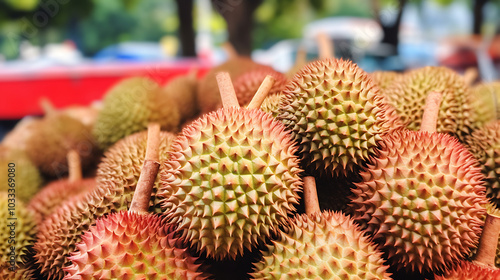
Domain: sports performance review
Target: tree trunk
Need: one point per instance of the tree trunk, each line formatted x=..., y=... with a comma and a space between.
x=391, y=32
x=478, y=16
x=186, y=29
x=239, y=18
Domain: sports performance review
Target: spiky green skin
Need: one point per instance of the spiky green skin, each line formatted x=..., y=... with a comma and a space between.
x=336, y=114
x=130, y=106
x=271, y=104
x=247, y=84
x=56, y=193
x=182, y=90
x=232, y=177
x=132, y=246
x=117, y=178
x=423, y=200
x=486, y=100
x=325, y=245
x=52, y=139
x=484, y=143
x=27, y=177
x=19, y=222
x=208, y=94
x=465, y=270
x=384, y=79
x=456, y=116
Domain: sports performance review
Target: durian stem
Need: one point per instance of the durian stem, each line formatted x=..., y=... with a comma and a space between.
x=470, y=75
x=326, y=48
x=227, y=93
x=311, y=196
x=301, y=58
x=75, y=166
x=261, y=93
x=142, y=193
x=231, y=52
x=431, y=112
x=488, y=242
x=47, y=106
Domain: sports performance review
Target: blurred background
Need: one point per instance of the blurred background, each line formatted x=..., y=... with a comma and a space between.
x=72, y=51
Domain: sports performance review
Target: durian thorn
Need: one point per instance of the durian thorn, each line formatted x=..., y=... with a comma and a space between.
x=75, y=166
x=262, y=92
x=470, y=75
x=431, y=111
x=230, y=50
x=142, y=193
x=227, y=93
x=325, y=45
x=311, y=196
x=486, y=252
x=47, y=106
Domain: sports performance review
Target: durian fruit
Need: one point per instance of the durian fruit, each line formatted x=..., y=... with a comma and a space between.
x=484, y=143
x=26, y=177
x=19, y=135
x=456, y=115
x=320, y=245
x=482, y=266
x=129, y=245
x=57, y=192
x=20, y=273
x=134, y=244
x=182, y=90
x=53, y=138
x=486, y=101
x=272, y=104
x=247, y=84
x=17, y=229
x=422, y=199
x=129, y=106
x=117, y=179
x=384, y=79
x=335, y=112
x=231, y=178
x=327, y=245
x=208, y=93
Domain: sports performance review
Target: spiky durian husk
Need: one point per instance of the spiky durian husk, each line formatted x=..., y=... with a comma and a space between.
x=271, y=104
x=335, y=112
x=15, y=219
x=27, y=178
x=486, y=101
x=232, y=177
x=56, y=193
x=182, y=90
x=422, y=199
x=20, y=273
x=130, y=106
x=132, y=246
x=16, y=138
x=247, y=84
x=122, y=164
x=53, y=138
x=325, y=245
x=384, y=79
x=117, y=178
x=484, y=143
x=456, y=116
x=466, y=270
x=208, y=94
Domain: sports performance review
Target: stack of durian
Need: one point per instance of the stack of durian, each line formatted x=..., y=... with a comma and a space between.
x=332, y=174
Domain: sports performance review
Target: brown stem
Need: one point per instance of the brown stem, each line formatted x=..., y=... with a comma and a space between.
x=488, y=242
x=74, y=166
x=142, y=194
x=311, y=196
x=47, y=106
x=261, y=93
x=326, y=49
x=227, y=94
x=470, y=75
x=431, y=112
